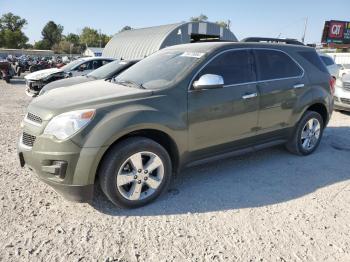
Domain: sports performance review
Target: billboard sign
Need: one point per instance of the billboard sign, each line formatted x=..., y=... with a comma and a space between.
x=337, y=32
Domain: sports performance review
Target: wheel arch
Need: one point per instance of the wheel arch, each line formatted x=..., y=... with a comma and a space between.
x=321, y=109
x=156, y=135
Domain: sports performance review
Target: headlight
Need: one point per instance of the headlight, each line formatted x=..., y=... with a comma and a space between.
x=68, y=124
x=339, y=83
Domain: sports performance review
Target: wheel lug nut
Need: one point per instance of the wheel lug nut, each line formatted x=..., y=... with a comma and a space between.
x=146, y=171
x=135, y=177
x=145, y=178
x=139, y=170
x=139, y=181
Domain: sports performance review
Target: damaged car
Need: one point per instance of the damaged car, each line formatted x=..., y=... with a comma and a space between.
x=82, y=66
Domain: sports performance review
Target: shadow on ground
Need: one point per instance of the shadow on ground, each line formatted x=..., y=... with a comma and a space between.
x=267, y=177
x=17, y=81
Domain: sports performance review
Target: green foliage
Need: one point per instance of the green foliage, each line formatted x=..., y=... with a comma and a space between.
x=11, y=35
x=90, y=37
x=73, y=38
x=52, y=34
x=222, y=24
x=125, y=28
x=200, y=18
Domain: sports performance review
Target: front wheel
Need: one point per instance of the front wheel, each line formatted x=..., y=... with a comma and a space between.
x=307, y=134
x=135, y=172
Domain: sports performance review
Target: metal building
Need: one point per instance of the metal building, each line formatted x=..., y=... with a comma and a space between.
x=139, y=43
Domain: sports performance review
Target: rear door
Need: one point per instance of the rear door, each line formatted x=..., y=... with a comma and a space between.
x=279, y=79
x=220, y=116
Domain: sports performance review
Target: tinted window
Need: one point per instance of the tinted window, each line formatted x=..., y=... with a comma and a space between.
x=275, y=64
x=327, y=60
x=313, y=58
x=234, y=66
x=108, y=69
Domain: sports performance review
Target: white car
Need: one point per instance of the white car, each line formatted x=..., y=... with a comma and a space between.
x=82, y=66
x=344, y=69
x=342, y=93
x=332, y=67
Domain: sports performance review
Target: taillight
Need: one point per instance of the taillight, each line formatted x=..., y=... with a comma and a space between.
x=332, y=84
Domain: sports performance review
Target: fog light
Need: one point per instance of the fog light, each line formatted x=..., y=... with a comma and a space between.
x=57, y=168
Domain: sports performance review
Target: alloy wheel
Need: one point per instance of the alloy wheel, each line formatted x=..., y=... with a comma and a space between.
x=140, y=176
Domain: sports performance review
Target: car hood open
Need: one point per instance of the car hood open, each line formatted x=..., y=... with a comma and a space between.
x=86, y=95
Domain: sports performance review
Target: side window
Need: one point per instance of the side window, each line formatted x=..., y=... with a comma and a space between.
x=274, y=65
x=327, y=60
x=96, y=64
x=83, y=66
x=234, y=66
x=104, y=62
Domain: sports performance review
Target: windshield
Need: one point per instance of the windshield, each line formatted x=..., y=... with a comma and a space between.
x=346, y=66
x=72, y=64
x=160, y=69
x=108, y=69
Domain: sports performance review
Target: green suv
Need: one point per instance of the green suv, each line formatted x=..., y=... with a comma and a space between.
x=182, y=106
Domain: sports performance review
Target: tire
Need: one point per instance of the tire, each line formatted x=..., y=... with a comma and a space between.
x=118, y=159
x=296, y=142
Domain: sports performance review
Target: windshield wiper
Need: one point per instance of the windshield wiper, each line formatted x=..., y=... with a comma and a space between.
x=128, y=83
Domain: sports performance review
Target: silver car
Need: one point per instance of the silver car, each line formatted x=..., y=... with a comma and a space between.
x=342, y=93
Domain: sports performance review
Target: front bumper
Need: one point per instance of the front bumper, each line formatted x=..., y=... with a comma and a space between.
x=66, y=167
x=341, y=99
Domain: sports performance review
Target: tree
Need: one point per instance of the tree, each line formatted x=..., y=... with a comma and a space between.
x=11, y=35
x=200, y=18
x=52, y=34
x=223, y=24
x=125, y=28
x=42, y=45
x=91, y=37
x=73, y=38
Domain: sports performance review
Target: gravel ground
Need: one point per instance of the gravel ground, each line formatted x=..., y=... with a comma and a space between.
x=266, y=206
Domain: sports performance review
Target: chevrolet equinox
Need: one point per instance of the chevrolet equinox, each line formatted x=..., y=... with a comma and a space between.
x=182, y=106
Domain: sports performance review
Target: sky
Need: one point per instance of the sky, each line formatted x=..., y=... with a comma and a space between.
x=269, y=18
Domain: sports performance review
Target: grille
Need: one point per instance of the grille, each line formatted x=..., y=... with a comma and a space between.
x=346, y=86
x=28, y=140
x=34, y=118
x=345, y=101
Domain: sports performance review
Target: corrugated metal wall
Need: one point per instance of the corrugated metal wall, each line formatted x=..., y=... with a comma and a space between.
x=139, y=43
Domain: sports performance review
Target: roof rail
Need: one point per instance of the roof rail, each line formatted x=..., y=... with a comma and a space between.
x=272, y=40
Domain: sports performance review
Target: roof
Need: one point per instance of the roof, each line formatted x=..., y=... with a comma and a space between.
x=139, y=43
x=95, y=49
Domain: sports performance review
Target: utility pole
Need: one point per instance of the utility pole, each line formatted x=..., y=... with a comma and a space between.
x=100, y=35
x=304, y=33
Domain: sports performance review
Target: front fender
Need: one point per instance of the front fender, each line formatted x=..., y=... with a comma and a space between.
x=116, y=124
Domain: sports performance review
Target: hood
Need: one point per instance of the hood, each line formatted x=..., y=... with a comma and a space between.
x=86, y=95
x=66, y=82
x=42, y=73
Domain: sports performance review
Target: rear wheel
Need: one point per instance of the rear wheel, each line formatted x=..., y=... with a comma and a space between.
x=307, y=134
x=135, y=172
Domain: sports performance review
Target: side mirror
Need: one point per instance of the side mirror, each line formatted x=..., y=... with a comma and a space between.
x=209, y=81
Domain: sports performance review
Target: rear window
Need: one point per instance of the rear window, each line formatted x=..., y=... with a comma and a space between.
x=313, y=58
x=273, y=64
x=327, y=60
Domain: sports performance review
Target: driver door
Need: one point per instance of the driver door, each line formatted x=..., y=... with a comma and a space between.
x=218, y=117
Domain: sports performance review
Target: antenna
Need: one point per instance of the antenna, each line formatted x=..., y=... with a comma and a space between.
x=304, y=33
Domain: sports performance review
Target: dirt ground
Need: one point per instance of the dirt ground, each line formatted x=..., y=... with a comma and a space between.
x=266, y=206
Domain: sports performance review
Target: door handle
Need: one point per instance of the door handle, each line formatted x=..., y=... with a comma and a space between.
x=247, y=96
x=298, y=86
